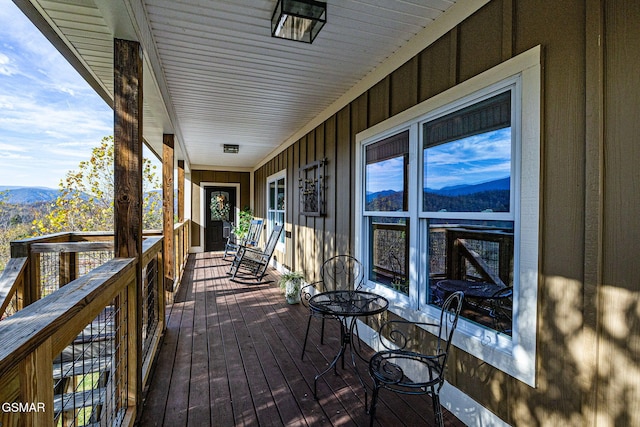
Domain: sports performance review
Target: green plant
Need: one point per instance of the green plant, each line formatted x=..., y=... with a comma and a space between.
x=290, y=284
x=244, y=222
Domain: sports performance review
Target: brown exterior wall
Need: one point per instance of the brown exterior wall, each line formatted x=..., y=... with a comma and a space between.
x=589, y=315
x=198, y=176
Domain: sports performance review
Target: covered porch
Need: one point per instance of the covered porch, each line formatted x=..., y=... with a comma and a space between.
x=320, y=120
x=231, y=356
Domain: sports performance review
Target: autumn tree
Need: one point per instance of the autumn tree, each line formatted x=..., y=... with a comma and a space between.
x=86, y=198
x=11, y=228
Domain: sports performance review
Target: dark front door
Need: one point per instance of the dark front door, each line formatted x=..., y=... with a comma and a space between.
x=220, y=216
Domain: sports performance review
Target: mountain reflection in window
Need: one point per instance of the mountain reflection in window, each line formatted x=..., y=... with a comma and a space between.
x=386, y=171
x=467, y=159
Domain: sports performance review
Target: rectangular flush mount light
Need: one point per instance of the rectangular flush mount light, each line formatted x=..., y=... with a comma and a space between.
x=231, y=148
x=299, y=20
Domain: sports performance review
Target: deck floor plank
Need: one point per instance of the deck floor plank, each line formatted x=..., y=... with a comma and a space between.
x=231, y=357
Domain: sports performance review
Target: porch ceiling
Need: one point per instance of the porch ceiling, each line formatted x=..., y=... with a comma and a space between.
x=214, y=75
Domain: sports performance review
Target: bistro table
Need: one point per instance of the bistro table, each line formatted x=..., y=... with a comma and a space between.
x=346, y=306
x=479, y=290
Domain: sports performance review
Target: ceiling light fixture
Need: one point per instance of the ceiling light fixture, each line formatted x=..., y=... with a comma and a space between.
x=299, y=20
x=231, y=148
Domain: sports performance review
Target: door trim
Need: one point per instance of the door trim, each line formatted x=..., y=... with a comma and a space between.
x=236, y=214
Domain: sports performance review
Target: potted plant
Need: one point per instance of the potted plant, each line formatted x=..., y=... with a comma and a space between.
x=290, y=283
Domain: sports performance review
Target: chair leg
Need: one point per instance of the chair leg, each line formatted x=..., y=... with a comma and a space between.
x=306, y=336
x=437, y=409
x=322, y=332
x=374, y=403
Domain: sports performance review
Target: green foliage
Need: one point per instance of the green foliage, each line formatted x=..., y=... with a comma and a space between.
x=86, y=199
x=295, y=280
x=244, y=223
x=12, y=227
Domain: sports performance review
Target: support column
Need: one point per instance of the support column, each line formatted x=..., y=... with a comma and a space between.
x=168, y=256
x=181, y=190
x=127, y=108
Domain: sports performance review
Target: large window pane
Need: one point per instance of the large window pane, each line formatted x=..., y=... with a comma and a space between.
x=467, y=159
x=478, y=255
x=276, y=205
x=389, y=252
x=387, y=164
x=280, y=195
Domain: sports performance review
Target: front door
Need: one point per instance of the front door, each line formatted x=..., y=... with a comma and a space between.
x=220, y=216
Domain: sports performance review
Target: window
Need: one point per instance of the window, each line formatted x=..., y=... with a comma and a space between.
x=386, y=206
x=467, y=168
x=276, y=203
x=449, y=195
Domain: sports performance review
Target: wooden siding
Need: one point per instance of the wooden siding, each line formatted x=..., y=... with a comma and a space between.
x=618, y=302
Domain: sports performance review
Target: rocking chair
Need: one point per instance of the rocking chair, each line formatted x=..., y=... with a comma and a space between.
x=250, y=239
x=253, y=261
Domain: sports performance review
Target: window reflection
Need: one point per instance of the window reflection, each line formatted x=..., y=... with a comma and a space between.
x=467, y=158
x=474, y=253
x=386, y=174
x=389, y=254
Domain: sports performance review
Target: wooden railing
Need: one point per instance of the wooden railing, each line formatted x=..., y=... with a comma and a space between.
x=69, y=350
x=41, y=265
x=36, y=336
x=462, y=254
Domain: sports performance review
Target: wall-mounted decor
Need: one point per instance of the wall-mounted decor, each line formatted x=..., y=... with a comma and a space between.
x=311, y=185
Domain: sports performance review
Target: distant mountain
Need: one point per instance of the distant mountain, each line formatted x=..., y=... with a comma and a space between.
x=28, y=195
x=462, y=190
x=486, y=196
x=379, y=194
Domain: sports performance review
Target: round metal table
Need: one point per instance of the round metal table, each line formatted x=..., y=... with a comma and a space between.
x=346, y=306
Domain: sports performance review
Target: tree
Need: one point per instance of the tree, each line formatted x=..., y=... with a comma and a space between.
x=11, y=228
x=86, y=199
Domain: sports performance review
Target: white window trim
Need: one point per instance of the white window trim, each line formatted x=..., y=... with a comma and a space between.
x=516, y=356
x=272, y=178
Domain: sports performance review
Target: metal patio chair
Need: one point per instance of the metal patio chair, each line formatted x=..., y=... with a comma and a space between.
x=391, y=368
x=341, y=272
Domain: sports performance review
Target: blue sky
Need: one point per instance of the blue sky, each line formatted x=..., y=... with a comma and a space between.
x=50, y=118
x=472, y=160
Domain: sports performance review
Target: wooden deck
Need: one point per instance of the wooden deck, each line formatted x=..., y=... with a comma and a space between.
x=231, y=357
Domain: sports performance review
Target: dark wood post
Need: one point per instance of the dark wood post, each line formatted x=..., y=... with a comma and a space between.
x=180, y=190
x=168, y=256
x=127, y=108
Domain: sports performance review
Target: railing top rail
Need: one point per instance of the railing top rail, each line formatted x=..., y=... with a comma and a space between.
x=76, y=303
x=9, y=278
x=179, y=225
x=150, y=247
x=71, y=247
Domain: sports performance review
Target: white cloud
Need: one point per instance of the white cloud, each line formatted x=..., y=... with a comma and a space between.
x=6, y=68
x=50, y=118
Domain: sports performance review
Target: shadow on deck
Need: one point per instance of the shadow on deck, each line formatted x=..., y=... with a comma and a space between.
x=231, y=357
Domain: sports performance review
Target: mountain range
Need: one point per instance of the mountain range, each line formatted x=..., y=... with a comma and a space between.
x=485, y=196
x=27, y=195
x=462, y=190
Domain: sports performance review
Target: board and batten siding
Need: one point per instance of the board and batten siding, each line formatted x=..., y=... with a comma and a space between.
x=588, y=316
